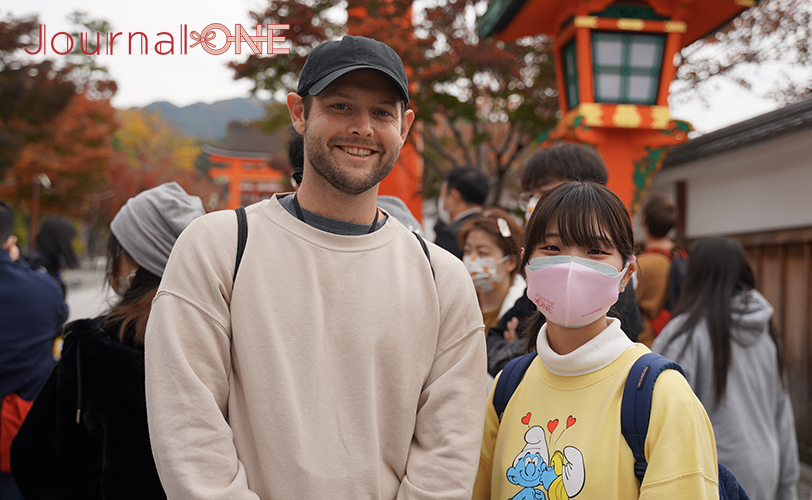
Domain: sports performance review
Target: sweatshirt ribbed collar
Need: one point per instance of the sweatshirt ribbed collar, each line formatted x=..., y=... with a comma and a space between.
x=598, y=353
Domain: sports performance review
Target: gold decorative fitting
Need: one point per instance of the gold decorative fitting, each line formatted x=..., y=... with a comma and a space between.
x=592, y=113
x=627, y=116
x=746, y=3
x=631, y=24
x=660, y=117
x=675, y=27
x=586, y=22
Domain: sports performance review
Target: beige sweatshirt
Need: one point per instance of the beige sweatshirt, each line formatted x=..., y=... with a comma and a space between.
x=337, y=368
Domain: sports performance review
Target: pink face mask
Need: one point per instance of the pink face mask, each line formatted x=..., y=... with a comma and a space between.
x=572, y=291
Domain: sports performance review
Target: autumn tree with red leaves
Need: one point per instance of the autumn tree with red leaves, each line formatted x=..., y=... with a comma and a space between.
x=55, y=124
x=74, y=153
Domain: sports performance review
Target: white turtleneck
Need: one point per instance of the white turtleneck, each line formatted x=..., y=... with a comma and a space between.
x=606, y=347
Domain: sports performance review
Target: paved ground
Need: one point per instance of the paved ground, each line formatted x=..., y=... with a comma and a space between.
x=89, y=295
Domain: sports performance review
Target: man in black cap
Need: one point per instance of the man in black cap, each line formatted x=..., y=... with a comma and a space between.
x=346, y=357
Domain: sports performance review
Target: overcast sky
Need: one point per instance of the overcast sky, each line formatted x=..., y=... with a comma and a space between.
x=197, y=76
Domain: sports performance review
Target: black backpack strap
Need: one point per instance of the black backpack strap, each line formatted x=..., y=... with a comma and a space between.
x=509, y=380
x=425, y=251
x=242, y=238
x=635, y=408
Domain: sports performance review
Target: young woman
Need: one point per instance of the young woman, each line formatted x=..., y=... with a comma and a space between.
x=724, y=340
x=491, y=254
x=86, y=434
x=559, y=435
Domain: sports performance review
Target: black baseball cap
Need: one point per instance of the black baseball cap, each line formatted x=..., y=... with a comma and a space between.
x=331, y=60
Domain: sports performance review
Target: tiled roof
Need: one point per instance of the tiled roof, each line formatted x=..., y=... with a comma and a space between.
x=791, y=118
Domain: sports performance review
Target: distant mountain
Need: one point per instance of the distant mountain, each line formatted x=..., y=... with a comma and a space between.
x=210, y=121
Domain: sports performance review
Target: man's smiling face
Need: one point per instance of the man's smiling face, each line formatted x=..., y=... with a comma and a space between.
x=354, y=130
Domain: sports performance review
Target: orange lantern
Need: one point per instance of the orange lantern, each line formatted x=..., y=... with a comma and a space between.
x=614, y=63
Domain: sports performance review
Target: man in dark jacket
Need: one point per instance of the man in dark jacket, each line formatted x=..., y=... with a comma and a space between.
x=32, y=311
x=462, y=197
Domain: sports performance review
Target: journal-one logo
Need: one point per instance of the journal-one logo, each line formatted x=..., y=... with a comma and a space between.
x=165, y=43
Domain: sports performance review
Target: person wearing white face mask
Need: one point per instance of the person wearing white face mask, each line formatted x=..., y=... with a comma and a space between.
x=86, y=433
x=462, y=196
x=491, y=254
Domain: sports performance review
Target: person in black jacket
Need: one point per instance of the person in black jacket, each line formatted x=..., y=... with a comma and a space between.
x=462, y=196
x=54, y=249
x=86, y=433
x=546, y=169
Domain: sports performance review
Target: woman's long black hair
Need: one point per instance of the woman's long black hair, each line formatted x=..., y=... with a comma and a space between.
x=587, y=215
x=717, y=271
x=55, y=243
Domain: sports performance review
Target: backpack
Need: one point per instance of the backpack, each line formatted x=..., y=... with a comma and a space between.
x=676, y=276
x=635, y=410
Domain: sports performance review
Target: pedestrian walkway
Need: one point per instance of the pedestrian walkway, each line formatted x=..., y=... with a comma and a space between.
x=87, y=293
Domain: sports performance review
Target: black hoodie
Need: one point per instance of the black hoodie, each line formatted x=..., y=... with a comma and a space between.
x=86, y=434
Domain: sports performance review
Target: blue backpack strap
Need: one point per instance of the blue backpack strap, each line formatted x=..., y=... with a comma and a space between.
x=635, y=409
x=509, y=380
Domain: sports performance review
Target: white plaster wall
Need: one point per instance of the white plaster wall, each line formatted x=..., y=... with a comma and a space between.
x=758, y=188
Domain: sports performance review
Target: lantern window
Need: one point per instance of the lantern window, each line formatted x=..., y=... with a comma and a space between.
x=570, y=60
x=626, y=67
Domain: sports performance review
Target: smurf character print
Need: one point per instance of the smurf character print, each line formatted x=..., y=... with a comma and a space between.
x=541, y=476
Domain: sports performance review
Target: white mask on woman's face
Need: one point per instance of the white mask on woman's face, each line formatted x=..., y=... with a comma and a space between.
x=122, y=284
x=484, y=271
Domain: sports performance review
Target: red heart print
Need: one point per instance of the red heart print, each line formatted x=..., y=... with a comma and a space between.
x=526, y=419
x=570, y=421
x=551, y=425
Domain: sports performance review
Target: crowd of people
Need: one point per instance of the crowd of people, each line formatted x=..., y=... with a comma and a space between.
x=315, y=344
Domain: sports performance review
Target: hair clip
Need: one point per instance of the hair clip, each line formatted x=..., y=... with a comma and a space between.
x=503, y=227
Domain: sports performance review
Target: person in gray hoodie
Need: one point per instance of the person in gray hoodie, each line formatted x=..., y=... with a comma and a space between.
x=722, y=336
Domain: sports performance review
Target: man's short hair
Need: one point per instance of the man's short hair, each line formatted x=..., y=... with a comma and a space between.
x=563, y=162
x=659, y=215
x=6, y=221
x=470, y=182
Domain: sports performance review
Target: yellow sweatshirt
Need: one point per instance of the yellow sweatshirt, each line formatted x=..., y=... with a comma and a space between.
x=560, y=434
x=336, y=368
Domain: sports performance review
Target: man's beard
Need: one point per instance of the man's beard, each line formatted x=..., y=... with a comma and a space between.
x=327, y=168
